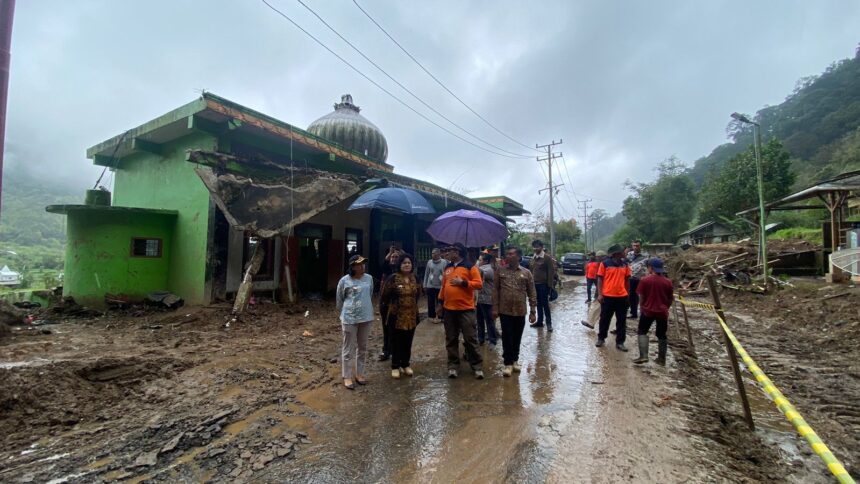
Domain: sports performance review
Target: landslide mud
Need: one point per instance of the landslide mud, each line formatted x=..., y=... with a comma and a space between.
x=146, y=399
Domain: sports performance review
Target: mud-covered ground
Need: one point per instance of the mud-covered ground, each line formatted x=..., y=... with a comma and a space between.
x=176, y=397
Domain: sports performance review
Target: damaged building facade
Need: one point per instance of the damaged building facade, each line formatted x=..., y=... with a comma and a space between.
x=199, y=189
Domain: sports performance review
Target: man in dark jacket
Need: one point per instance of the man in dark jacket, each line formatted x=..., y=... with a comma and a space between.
x=543, y=269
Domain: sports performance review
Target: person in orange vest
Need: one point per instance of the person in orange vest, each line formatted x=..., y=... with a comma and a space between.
x=457, y=305
x=591, y=274
x=613, y=280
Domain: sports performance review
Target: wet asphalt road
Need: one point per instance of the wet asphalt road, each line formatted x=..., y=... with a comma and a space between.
x=533, y=427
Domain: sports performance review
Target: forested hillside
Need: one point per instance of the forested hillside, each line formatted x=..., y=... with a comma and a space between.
x=813, y=135
x=818, y=124
x=36, y=237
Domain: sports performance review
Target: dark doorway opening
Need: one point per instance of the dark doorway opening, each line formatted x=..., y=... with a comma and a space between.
x=353, y=244
x=313, y=241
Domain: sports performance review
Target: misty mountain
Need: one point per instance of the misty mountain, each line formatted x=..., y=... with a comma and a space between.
x=818, y=123
x=23, y=220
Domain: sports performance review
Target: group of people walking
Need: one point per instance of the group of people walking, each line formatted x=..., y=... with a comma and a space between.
x=629, y=279
x=467, y=299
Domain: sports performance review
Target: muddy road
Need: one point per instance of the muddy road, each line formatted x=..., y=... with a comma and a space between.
x=178, y=398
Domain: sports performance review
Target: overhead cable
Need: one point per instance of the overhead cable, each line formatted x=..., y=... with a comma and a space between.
x=380, y=87
x=482, y=118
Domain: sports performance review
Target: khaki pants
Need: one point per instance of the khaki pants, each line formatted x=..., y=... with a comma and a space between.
x=354, y=350
x=465, y=322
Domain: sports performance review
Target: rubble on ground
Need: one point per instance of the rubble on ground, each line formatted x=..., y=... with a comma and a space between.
x=734, y=263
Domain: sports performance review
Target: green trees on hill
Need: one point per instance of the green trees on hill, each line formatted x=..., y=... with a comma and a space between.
x=814, y=135
x=734, y=188
x=660, y=210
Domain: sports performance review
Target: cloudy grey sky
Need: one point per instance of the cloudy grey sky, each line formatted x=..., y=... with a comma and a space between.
x=624, y=83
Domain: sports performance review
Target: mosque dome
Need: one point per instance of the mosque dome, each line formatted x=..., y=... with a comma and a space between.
x=351, y=130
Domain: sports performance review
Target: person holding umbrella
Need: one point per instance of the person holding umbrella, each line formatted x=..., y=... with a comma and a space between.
x=457, y=298
x=353, y=301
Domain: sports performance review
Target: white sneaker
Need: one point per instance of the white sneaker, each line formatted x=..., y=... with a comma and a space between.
x=516, y=367
x=508, y=370
x=408, y=371
x=395, y=373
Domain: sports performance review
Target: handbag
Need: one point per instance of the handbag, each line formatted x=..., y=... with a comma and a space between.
x=553, y=294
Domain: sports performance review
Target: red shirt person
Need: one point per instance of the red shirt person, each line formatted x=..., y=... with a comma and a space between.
x=656, y=294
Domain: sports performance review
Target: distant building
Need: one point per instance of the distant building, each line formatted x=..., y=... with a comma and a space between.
x=8, y=277
x=708, y=233
x=197, y=189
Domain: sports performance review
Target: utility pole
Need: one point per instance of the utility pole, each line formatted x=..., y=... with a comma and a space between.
x=7, y=12
x=584, y=206
x=550, y=156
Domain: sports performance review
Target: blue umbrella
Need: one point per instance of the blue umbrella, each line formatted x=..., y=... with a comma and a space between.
x=468, y=227
x=397, y=199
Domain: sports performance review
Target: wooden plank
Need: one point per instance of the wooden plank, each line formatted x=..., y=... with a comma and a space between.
x=733, y=357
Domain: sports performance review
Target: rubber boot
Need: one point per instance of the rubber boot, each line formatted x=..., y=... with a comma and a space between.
x=662, y=344
x=643, y=349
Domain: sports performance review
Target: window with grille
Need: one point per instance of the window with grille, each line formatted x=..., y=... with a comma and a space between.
x=143, y=247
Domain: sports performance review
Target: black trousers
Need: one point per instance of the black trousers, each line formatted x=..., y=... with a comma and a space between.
x=401, y=347
x=543, y=305
x=634, y=298
x=512, y=336
x=618, y=307
x=645, y=326
x=589, y=283
x=432, y=301
x=383, y=312
x=486, y=324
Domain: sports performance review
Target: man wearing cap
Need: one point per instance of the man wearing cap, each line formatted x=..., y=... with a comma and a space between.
x=457, y=298
x=543, y=270
x=638, y=270
x=613, y=279
x=656, y=295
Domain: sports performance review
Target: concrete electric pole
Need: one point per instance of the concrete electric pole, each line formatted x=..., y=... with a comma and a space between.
x=584, y=205
x=550, y=156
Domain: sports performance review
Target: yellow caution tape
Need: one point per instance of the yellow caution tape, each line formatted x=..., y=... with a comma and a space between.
x=789, y=411
x=779, y=399
x=696, y=304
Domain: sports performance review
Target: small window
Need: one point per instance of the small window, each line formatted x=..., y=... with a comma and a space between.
x=142, y=247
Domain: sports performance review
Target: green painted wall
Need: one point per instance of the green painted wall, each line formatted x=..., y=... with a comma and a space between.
x=169, y=182
x=99, y=249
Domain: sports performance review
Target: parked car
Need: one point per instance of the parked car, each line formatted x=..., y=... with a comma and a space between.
x=573, y=263
x=525, y=260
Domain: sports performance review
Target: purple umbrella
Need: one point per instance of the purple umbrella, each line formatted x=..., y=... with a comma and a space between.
x=468, y=227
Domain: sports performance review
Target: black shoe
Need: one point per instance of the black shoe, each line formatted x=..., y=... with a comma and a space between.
x=384, y=357
x=613, y=331
x=549, y=329
x=586, y=324
x=537, y=325
x=621, y=347
x=633, y=316
x=600, y=342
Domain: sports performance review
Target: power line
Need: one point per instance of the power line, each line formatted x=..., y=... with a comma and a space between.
x=550, y=156
x=510, y=154
x=437, y=79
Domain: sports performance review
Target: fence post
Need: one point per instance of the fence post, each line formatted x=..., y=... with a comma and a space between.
x=687, y=327
x=730, y=349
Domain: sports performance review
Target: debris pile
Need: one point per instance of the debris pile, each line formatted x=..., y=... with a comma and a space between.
x=735, y=264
